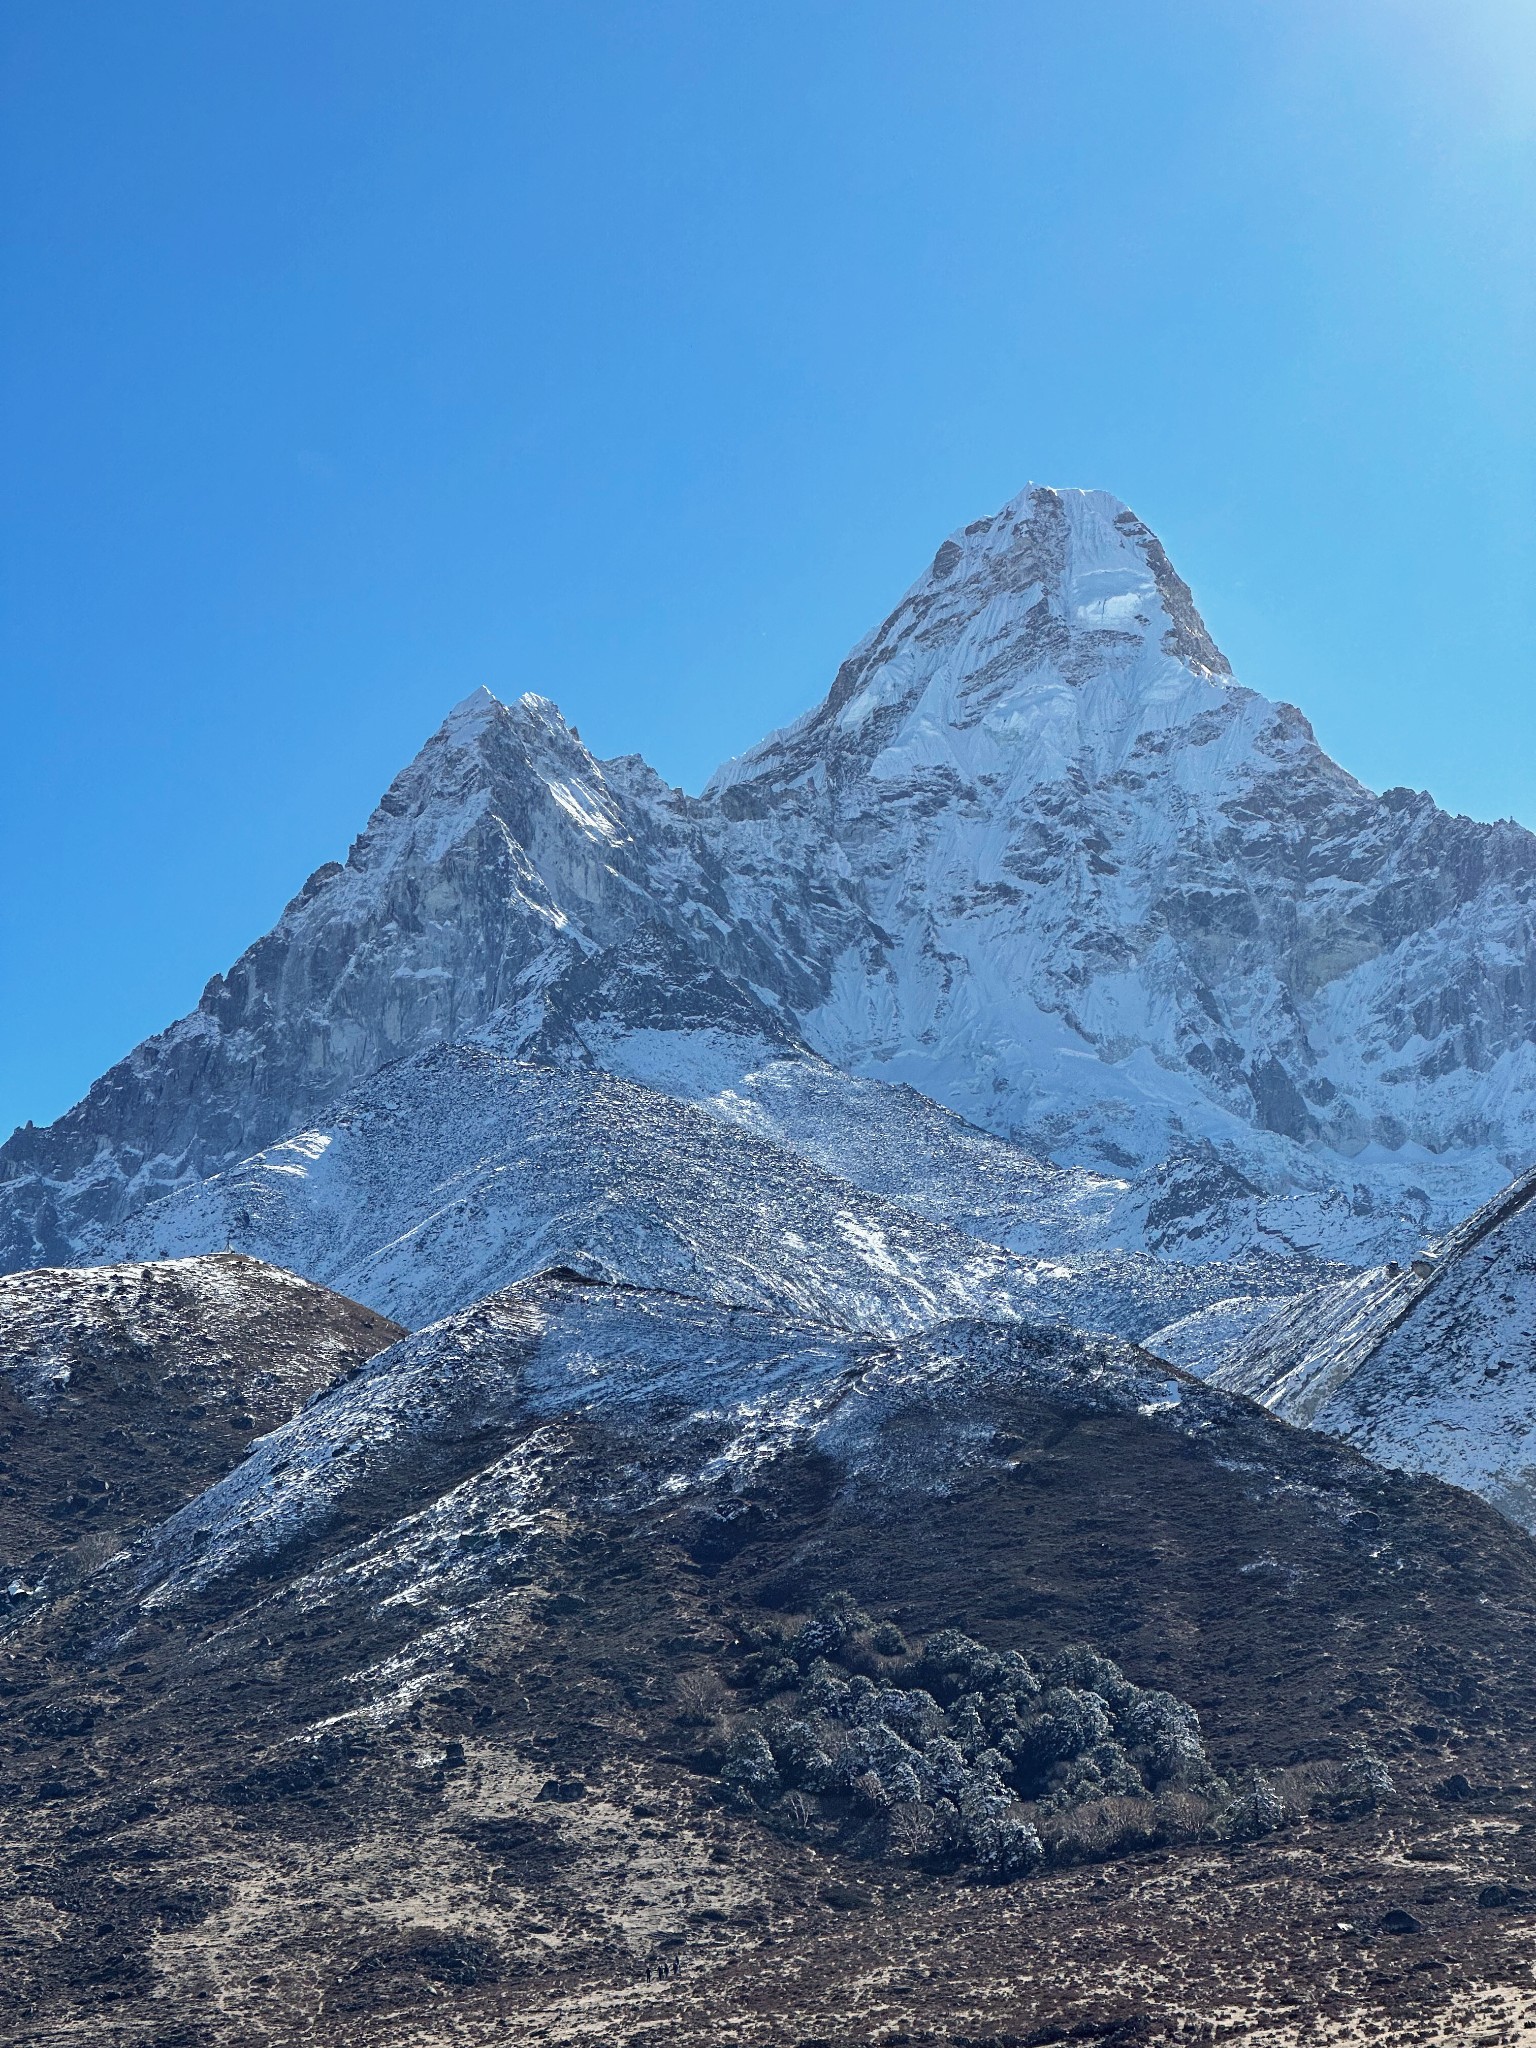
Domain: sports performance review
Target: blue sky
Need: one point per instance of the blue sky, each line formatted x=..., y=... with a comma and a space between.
x=354, y=353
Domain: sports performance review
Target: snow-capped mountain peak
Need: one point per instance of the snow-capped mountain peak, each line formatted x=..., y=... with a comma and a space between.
x=1036, y=855
x=1061, y=594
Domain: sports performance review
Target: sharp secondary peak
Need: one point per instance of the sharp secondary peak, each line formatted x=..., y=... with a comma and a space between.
x=482, y=706
x=474, y=710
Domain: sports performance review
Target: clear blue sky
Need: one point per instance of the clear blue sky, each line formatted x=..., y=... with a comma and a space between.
x=358, y=352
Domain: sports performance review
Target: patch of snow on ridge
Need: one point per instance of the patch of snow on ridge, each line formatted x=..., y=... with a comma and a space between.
x=465, y=1170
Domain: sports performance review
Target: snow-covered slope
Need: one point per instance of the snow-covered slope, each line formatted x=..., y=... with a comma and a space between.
x=1432, y=1369
x=455, y=1173
x=462, y=1170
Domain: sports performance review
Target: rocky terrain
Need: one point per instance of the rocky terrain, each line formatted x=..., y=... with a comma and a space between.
x=124, y=1390
x=462, y=1169
x=422, y=1723
x=816, y=1414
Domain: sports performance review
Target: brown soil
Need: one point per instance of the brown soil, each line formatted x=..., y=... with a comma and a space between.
x=173, y=1368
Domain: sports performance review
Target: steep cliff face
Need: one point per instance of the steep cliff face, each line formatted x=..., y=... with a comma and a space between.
x=1120, y=902
x=496, y=862
x=1037, y=855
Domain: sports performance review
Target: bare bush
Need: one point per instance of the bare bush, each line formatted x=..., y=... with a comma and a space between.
x=700, y=1698
x=95, y=1548
x=912, y=1830
x=869, y=1795
x=1102, y=1827
x=1182, y=1815
x=1300, y=1787
x=796, y=1809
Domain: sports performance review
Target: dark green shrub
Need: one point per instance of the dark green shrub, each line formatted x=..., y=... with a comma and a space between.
x=837, y=1618
x=749, y=1771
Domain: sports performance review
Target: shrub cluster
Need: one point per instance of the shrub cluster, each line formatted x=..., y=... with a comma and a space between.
x=952, y=1753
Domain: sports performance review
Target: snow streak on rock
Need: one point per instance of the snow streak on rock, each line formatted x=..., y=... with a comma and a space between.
x=1432, y=1368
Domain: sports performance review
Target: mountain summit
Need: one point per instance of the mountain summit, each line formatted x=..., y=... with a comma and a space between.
x=1062, y=589
x=1036, y=855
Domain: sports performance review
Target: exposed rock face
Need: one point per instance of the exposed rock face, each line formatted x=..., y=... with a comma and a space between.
x=439, y=922
x=1036, y=854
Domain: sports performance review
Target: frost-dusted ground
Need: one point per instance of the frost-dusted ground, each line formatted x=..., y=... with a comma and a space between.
x=393, y=1735
x=126, y=1389
x=698, y=1395
x=249, y=1331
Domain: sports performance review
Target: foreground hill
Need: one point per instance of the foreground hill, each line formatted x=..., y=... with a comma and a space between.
x=441, y=1716
x=125, y=1389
